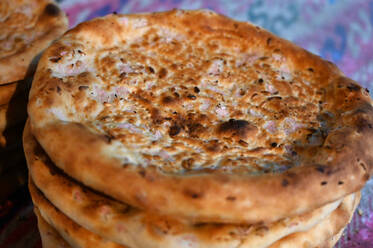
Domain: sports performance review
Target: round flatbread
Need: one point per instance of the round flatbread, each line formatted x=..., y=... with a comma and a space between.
x=26, y=28
x=49, y=236
x=126, y=225
x=230, y=122
x=75, y=235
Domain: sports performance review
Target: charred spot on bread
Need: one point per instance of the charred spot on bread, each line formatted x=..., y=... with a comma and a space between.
x=230, y=198
x=187, y=163
x=108, y=138
x=362, y=124
x=321, y=168
x=353, y=87
x=240, y=129
x=52, y=10
x=162, y=73
x=192, y=97
x=174, y=130
x=168, y=100
x=83, y=87
x=192, y=194
x=55, y=59
x=142, y=173
x=269, y=41
x=285, y=182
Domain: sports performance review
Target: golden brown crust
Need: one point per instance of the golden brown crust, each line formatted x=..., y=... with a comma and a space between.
x=27, y=27
x=122, y=223
x=309, y=163
x=49, y=236
x=75, y=235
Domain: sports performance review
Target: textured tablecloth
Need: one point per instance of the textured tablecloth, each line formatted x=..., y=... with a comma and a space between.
x=340, y=31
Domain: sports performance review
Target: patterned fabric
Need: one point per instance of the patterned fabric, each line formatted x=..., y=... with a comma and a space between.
x=338, y=30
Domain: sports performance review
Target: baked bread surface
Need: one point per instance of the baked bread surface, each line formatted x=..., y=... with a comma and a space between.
x=193, y=114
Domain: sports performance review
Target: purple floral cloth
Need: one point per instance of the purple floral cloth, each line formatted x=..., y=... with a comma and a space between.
x=338, y=30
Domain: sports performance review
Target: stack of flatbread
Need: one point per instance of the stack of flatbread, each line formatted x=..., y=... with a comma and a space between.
x=26, y=28
x=190, y=129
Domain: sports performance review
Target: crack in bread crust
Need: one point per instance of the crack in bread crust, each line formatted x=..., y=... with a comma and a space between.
x=209, y=114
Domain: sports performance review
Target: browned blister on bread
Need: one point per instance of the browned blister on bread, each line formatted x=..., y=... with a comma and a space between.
x=192, y=114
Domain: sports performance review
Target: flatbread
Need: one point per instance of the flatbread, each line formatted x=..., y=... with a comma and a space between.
x=75, y=235
x=126, y=225
x=26, y=28
x=230, y=122
x=49, y=236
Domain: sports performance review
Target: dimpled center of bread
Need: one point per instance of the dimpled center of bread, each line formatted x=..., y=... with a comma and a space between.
x=189, y=103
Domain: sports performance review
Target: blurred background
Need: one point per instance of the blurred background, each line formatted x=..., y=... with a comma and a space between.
x=338, y=30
